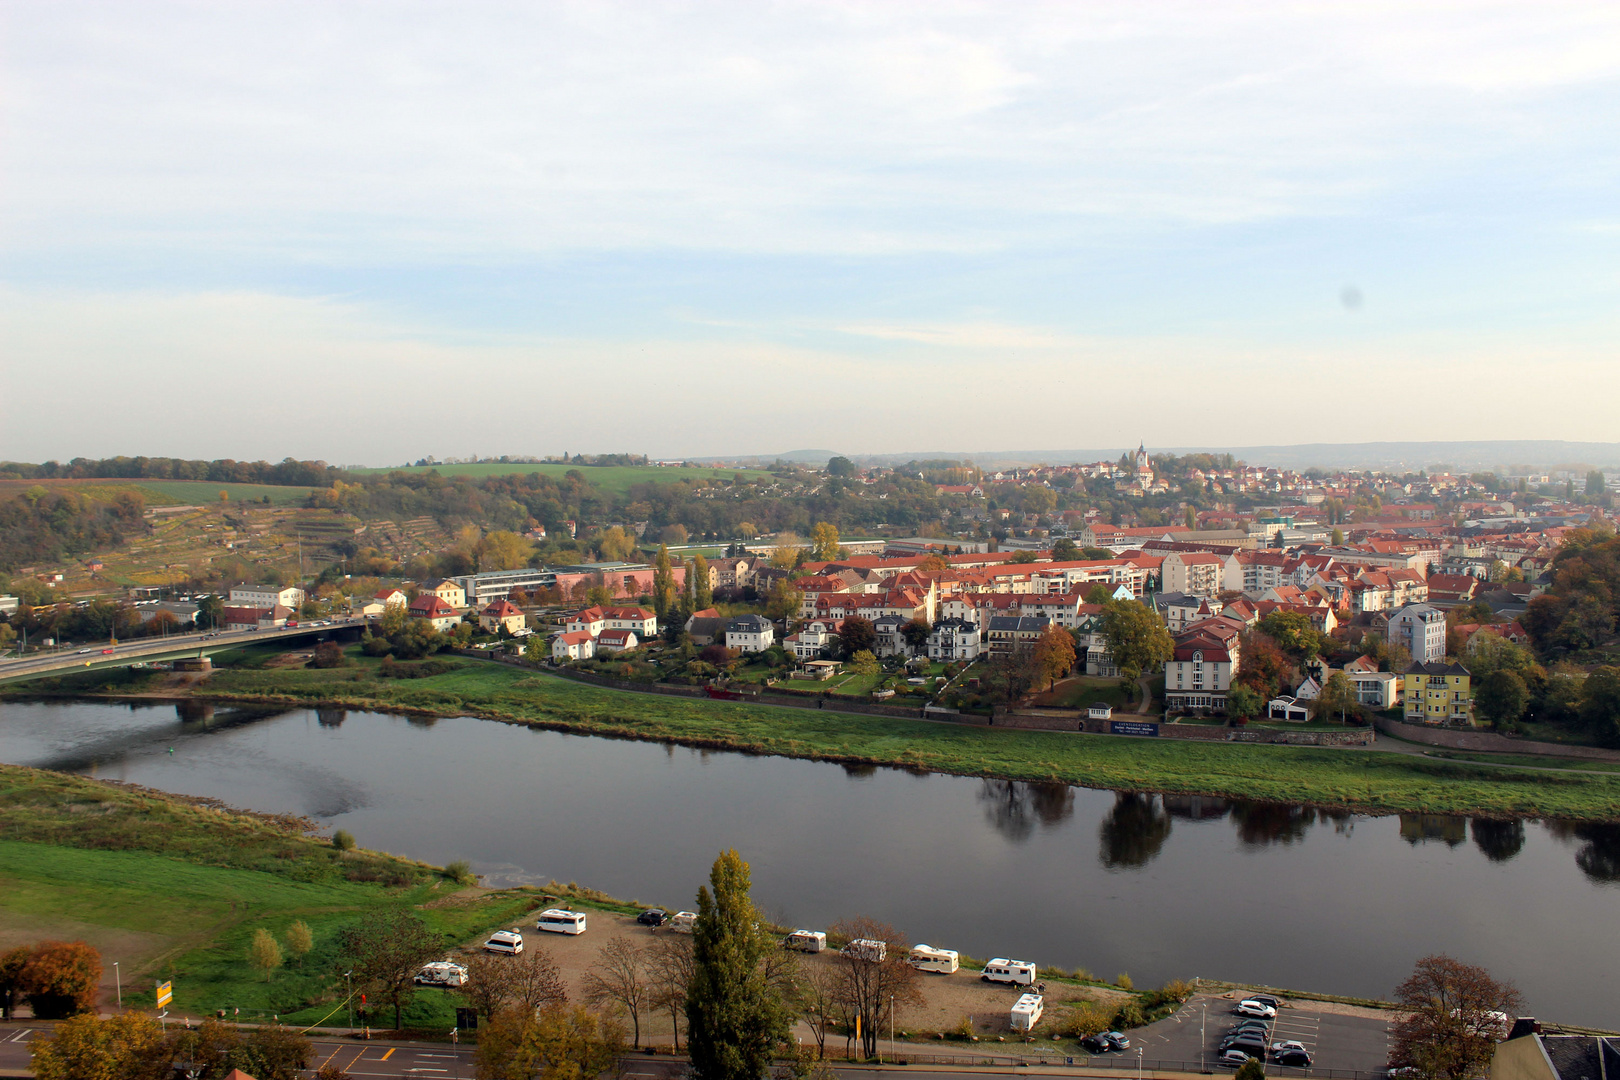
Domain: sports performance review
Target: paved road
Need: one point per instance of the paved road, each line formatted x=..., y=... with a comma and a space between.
x=105, y=655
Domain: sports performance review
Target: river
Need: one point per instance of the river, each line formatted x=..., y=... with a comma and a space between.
x=1157, y=887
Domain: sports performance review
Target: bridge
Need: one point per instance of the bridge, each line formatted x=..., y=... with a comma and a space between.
x=172, y=647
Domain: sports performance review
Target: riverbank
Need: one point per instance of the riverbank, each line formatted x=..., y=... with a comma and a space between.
x=1367, y=781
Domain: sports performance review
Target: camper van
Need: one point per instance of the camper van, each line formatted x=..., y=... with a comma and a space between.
x=1026, y=1012
x=928, y=958
x=682, y=922
x=866, y=949
x=561, y=921
x=442, y=973
x=509, y=942
x=806, y=941
x=1002, y=970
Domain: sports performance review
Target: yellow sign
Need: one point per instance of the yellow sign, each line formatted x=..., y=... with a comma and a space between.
x=165, y=994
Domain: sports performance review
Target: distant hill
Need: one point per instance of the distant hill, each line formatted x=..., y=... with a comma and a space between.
x=1483, y=455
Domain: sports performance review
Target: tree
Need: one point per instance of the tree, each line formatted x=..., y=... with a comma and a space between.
x=535, y=651
x=1293, y=632
x=328, y=654
x=529, y=981
x=703, y=589
x=1452, y=1019
x=299, y=940
x=210, y=612
x=821, y=1002
x=561, y=1042
x=504, y=550
x=1137, y=640
x=916, y=634
x=673, y=534
x=856, y=634
x=1337, y=699
x=864, y=663
x=385, y=950
x=12, y=964
x=1337, y=539
x=663, y=583
x=783, y=601
x=1501, y=698
x=264, y=952
x=669, y=965
x=1252, y=1069
x=62, y=978
x=1054, y=653
x=1065, y=550
x=1600, y=704
x=1595, y=484
x=89, y=1048
x=1263, y=667
x=1019, y=557
x=840, y=466
x=1243, y=702
x=619, y=977
x=735, y=1016
x=824, y=541
x=873, y=987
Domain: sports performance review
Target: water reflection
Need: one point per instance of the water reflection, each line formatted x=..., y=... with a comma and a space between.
x=192, y=711
x=1599, y=854
x=1497, y=840
x=1015, y=807
x=1197, y=807
x=1264, y=824
x=1134, y=831
x=330, y=718
x=1421, y=828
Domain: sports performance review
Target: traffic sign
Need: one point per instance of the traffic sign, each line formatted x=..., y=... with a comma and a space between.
x=165, y=994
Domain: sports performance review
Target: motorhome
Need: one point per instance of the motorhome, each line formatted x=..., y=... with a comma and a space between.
x=1026, y=1012
x=1002, y=970
x=509, y=942
x=561, y=921
x=682, y=922
x=442, y=973
x=928, y=958
x=806, y=941
x=866, y=949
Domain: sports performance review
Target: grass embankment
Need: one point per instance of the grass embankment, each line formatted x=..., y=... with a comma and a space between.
x=174, y=888
x=1376, y=782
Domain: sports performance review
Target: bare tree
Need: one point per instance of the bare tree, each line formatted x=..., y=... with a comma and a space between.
x=386, y=950
x=873, y=987
x=529, y=981
x=821, y=1001
x=620, y=977
x=669, y=962
x=1455, y=1016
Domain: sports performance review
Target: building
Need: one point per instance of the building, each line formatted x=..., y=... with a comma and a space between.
x=642, y=620
x=1438, y=693
x=1005, y=634
x=1421, y=630
x=954, y=640
x=890, y=636
x=436, y=610
x=1528, y=1054
x=750, y=633
x=1199, y=672
x=481, y=590
x=616, y=641
x=501, y=615
x=391, y=597
x=1196, y=573
x=253, y=618
x=447, y=590
x=1377, y=690
x=592, y=620
x=265, y=596
x=813, y=641
x=8, y=605
x=573, y=645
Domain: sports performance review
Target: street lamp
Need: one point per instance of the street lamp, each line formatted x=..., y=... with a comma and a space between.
x=1139, y=1063
x=119, y=983
x=350, y=998
x=891, y=1028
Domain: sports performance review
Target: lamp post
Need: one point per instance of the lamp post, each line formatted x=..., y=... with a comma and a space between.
x=891, y=1028
x=119, y=983
x=1139, y=1063
x=349, y=999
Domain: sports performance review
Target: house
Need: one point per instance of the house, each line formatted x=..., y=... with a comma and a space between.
x=1528, y=1054
x=1421, y=629
x=1199, y=671
x=265, y=596
x=953, y=640
x=450, y=592
x=592, y=620
x=1438, y=693
x=891, y=639
x=1375, y=689
x=616, y=641
x=434, y=609
x=1100, y=711
x=252, y=618
x=1178, y=609
x=706, y=629
x=1288, y=708
x=733, y=572
x=501, y=615
x=573, y=645
x=391, y=597
x=1309, y=690
x=1006, y=634
x=750, y=633
x=814, y=640
x=1453, y=590
x=819, y=670
x=643, y=621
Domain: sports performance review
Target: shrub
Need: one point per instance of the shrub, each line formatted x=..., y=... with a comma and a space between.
x=1124, y=982
x=1129, y=1015
x=461, y=872
x=264, y=953
x=61, y=979
x=1086, y=1019
x=963, y=1028
x=343, y=840
x=328, y=654
x=1250, y=1070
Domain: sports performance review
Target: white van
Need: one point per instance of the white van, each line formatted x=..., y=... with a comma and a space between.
x=1026, y=1012
x=806, y=941
x=1002, y=970
x=509, y=942
x=928, y=958
x=561, y=921
x=866, y=949
x=682, y=922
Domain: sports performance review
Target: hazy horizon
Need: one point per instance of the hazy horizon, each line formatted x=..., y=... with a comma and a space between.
x=370, y=233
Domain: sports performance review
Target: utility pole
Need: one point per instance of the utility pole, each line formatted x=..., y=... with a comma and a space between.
x=119, y=983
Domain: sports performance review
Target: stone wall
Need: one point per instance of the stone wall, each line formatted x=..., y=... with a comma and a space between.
x=1489, y=742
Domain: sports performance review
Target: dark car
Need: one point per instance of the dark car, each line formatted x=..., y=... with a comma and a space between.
x=1105, y=1042
x=1266, y=999
x=652, y=917
x=1257, y=1047
x=1295, y=1059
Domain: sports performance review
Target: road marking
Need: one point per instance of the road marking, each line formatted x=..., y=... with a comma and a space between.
x=388, y=1055
x=21, y=1035
x=357, y=1058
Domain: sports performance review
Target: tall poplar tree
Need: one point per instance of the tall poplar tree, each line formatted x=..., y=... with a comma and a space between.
x=735, y=1015
x=663, y=583
x=702, y=593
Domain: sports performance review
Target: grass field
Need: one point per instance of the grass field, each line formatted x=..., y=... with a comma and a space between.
x=614, y=479
x=1367, y=780
x=1083, y=692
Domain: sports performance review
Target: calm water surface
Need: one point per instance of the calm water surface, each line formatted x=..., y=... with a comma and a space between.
x=1157, y=887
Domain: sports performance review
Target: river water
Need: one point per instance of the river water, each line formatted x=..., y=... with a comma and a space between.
x=1157, y=887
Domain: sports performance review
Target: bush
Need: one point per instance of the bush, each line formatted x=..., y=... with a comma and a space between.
x=424, y=669
x=328, y=654
x=1129, y=1015
x=61, y=979
x=343, y=840
x=461, y=873
x=1250, y=1070
x=1087, y=1019
x=1124, y=982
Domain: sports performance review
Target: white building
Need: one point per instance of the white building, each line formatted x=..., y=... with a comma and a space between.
x=1422, y=630
x=953, y=640
x=750, y=633
x=265, y=596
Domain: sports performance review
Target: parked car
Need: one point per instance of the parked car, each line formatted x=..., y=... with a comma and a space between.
x=1105, y=1042
x=1251, y=1043
x=1294, y=1059
x=509, y=942
x=652, y=917
x=1253, y=1025
x=1250, y=1007
x=1234, y=1058
x=1266, y=999
x=1286, y=1045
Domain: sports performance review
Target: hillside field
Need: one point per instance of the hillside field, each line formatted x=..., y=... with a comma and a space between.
x=615, y=479
x=165, y=492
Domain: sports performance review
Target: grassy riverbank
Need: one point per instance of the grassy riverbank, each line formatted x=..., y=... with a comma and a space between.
x=173, y=889
x=1377, y=782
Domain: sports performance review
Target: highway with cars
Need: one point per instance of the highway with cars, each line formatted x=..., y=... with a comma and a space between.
x=123, y=653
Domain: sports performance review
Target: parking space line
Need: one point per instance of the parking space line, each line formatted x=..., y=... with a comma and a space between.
x=388, y=1055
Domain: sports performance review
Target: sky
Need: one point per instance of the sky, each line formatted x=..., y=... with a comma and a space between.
x=370, y=232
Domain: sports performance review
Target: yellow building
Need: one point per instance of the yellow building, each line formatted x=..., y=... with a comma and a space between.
x=1438, y=693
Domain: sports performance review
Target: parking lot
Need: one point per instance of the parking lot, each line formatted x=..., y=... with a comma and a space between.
x=1340, y=1041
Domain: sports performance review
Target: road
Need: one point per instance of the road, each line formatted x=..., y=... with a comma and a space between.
x=125, y=652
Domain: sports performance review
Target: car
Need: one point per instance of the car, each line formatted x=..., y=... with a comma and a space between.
x=1252, y=1025
x=1266, y=999
x=1105, y=1042
x=1234, y=1058
x=1119, y=1041
x=1293, y=1059
x=1286, y=1045
x=1248, y=1038
x=1253, y=1049
x=1254, y=1008
x=652, y=917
